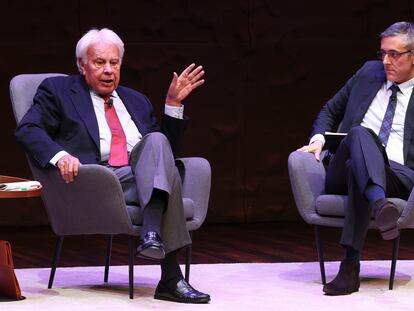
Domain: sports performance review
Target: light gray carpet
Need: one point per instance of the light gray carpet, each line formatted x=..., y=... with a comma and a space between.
x=256, y=287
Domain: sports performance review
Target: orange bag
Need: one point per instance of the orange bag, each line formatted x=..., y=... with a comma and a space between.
x=9, y=286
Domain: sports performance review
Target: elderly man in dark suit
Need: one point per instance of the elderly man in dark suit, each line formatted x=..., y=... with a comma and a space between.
x=91, y=119
x=376, y=158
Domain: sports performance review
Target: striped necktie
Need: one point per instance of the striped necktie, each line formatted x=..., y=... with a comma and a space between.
x=386, y=125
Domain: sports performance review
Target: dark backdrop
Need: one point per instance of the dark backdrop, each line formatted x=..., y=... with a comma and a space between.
x=270, y=65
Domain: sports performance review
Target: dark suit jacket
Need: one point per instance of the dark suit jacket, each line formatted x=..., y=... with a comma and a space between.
x=63, y=118
x=348, y=107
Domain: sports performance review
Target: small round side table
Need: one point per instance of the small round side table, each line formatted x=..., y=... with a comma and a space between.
x=14, y=194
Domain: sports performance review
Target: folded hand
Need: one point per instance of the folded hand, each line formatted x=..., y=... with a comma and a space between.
x=69, y=167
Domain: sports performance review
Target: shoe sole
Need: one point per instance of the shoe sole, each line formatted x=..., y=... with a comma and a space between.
x=333, y=292
x=386, y=221
x=339, y=293
x=154, y=253
x=171, y=298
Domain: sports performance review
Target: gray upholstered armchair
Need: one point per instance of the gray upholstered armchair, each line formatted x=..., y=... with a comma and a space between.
x=307, y=177
x=85, y=206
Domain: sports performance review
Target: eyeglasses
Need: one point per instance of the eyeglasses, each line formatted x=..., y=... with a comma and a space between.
x=100, y=63
x=394, y=55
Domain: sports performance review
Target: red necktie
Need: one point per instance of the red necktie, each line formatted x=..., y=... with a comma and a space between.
x=118, y=155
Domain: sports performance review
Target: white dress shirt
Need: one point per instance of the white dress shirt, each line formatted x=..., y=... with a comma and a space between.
x=375, y=114
x=376, y=111
x=133, y=136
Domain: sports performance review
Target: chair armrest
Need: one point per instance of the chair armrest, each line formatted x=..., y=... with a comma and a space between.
x=196, y=178
x=406, y=219
x=307, y=178
x=92, y=204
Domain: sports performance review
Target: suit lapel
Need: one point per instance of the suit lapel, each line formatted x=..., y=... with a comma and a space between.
x=408, y=126
x=368, y=94
x=82, y=101
x=132, y=106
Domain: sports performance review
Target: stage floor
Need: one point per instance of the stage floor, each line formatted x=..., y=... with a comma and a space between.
x=258, y=286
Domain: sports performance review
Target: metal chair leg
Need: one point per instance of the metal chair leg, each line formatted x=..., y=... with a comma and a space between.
x=188, y=252
x=131, y=252
x=55, y=259
x=395, y=247
x=108, y=257
x=319, y=249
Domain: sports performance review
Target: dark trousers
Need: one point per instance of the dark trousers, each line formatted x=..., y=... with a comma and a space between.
x=360, y=160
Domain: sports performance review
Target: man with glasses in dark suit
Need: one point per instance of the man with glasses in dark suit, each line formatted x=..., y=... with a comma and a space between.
x=376, y=158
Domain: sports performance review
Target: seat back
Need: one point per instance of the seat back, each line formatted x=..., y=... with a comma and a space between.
x=22, y=90
x=94, y=203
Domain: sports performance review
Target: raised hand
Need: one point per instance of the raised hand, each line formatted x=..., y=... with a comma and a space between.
x=181, y=86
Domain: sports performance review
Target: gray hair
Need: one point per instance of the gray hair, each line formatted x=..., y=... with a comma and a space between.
x=403, y=29
x=94, y=36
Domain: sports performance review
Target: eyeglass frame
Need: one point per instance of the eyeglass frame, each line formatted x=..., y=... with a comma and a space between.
x=392, y=54
x=100, y=63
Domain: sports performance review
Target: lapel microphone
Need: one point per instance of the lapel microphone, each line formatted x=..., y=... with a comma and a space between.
x=107, y=100
x=110, y=102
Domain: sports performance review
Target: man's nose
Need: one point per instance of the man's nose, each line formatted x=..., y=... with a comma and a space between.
x=107, y=68
x=386, y=59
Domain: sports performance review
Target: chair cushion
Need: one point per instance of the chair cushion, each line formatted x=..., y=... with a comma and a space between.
x=334, y=205
x=135, y=212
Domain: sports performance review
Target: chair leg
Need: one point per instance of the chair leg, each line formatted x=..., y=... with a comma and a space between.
x=131, y=252
x=188, y=251
x=56, y=256
x=108, y=257
x=319, y=249
x=395, y=247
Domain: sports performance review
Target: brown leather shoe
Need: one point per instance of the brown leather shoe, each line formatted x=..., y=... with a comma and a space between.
x=386, y=216
x=346, y=281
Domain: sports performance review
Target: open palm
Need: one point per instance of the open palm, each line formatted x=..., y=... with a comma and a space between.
x=181, y=86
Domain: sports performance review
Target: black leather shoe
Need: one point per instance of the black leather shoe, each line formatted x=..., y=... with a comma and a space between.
x=151, y=247
x=346, y=281
x=386, y=216
x=183, y=292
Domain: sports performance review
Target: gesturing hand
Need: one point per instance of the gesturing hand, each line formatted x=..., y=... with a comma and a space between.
x=181, y=86
x=69, y=167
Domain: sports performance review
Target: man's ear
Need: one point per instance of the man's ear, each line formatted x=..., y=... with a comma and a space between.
x=81, y=65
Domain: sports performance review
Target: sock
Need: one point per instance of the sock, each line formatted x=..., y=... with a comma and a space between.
x=352, y=254
x=152, y=215
x=373, y=192
x=170, y=270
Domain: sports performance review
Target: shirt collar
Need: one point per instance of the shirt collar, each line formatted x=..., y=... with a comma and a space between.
x=404, y=87
x=96, y=95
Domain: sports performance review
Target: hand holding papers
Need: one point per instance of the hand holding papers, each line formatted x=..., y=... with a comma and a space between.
x=333, y=140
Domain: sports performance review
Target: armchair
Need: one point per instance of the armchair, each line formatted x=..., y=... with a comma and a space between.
x=94, y=203
x=307, y=177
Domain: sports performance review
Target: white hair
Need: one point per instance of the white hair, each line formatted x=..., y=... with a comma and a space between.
x=93, y=36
